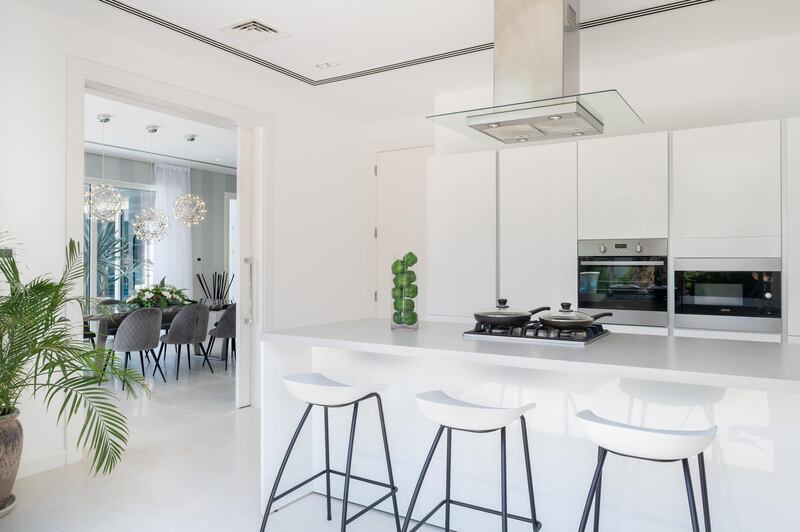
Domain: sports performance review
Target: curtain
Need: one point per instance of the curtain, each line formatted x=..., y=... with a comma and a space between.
x=172, y=255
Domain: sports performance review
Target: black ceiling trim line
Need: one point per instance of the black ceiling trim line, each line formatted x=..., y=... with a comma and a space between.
x=386, y=68
x=663, y=8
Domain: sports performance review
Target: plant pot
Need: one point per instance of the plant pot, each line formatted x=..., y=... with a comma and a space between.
x=10, y=454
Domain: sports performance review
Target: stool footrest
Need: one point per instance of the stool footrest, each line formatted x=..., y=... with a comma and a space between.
x=476, y=508
x=362, y=479
x=371, y=506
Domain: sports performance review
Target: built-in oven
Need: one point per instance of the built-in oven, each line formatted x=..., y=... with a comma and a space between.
x=728, y=294
x=625, y=277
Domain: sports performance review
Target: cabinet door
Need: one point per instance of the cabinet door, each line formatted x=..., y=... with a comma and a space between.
x=538, y=225
x=727, y=183
x=462, y=237
x=792, y=251
x=623, y=185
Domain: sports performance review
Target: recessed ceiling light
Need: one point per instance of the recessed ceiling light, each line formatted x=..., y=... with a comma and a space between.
x=190, y=137
x=104, y=118
x=555, y=117
x=578, y=134
x=521, y=139
x=327, y=64
x=494, y=125
x=151, y=128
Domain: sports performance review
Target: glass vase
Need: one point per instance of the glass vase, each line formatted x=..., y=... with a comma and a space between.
x=403, y=312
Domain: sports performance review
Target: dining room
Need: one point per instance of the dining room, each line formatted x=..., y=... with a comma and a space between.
x=160, y=246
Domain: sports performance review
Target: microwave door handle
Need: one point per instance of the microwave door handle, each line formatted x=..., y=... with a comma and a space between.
x=622, y=263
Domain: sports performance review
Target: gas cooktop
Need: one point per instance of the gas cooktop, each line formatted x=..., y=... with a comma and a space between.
x=534, y=332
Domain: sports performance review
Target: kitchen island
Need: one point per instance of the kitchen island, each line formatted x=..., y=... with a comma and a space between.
x=750, y=390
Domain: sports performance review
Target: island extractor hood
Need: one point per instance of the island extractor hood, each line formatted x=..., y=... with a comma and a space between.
x=537, y=80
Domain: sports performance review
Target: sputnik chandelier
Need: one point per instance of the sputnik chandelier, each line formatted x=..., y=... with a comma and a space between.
x=103, y=202
x=150, y=224
x=189, y=210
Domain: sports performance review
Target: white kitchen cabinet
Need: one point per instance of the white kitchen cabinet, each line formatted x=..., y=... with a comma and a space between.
x=727, y=186
x=791, y=275
x=538, y=225
x=462, y=234
x=623, y=185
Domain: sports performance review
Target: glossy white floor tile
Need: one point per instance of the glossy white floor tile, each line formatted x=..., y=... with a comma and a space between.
x=191, y=464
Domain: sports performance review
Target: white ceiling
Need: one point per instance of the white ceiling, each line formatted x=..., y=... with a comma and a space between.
x=213, y=145
x=356, y=34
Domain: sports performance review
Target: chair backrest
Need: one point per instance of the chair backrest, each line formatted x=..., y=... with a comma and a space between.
x=109, y=302
x=201, y=327
x=139, y=330
x=182, y=328
x=226, y=327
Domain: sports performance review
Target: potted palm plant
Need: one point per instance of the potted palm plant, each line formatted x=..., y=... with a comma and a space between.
x=41, y=355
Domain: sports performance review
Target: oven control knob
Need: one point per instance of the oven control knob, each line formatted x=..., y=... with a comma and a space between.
x=639, y=248
x=603, y=248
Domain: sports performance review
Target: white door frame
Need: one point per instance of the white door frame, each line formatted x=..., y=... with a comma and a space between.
x=255, y=180
x=228, y=196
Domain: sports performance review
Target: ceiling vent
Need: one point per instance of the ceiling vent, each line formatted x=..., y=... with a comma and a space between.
x=254, y=31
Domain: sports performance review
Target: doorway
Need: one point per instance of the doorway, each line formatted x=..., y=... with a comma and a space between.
x=401, y=192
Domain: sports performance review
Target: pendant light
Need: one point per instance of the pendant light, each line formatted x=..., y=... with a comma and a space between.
x=103, y=202
x=151, y=224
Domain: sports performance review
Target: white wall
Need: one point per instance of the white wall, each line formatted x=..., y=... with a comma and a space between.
x=322, y=247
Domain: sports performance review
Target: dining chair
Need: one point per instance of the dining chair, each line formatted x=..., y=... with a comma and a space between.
x=225, y=329
x=182, y=332
x=139, y=331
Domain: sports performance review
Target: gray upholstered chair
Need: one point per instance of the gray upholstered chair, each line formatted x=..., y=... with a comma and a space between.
x=139, y=331
x=225, y=328
x=183, y=332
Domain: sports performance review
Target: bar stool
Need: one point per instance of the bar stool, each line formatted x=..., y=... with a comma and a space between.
x=655, y=445
x=318, y=390
x=453, y=414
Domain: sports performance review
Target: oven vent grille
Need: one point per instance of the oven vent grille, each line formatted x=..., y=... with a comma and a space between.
x=254, y=31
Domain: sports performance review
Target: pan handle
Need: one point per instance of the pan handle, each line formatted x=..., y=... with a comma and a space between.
x=538, y=310
x=602, y=315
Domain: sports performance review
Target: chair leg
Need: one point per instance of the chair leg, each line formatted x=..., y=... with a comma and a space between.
x=205, y=357
x=141, y=361
x=127, y=357
x=178, y=361
x=346, y=492
x=421, y=479
x=597, y=498
x=388, y=463
x=528, y=470
x=158, y=358
x=448, y=471
x=283, y=467
x=704, y=492
x=601, y=458
x=687, y=475
x=503, y=481
x=327, y=466
x=94, y=345
x=189, y=356
x=158, y=366
x=233, y=349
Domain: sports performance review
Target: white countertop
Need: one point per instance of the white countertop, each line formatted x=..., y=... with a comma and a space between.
x=724, y=363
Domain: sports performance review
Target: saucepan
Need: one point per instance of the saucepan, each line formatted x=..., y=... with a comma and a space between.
x=504, y=315
x=566, y=318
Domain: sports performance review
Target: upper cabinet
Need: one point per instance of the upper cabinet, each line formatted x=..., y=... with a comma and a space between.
x=462, y=234
x=623, y=185
x=727, y=186
x=538, y=225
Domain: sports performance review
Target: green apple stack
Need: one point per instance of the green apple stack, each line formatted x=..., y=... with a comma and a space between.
x=404, y=290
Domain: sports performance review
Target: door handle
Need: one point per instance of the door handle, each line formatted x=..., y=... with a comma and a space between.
x=249, y=319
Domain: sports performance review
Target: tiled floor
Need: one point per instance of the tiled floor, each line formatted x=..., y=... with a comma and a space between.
x=191, y=464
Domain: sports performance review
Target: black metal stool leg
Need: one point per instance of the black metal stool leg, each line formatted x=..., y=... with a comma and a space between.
x=327, y=466
x=346, y=491
x=503, y=481
x=283, y=467
x=388, y=463
x=601, y=458
x=447, y=480
x=704, y=492
x=597, y=498
x=687, y=475
x=421, y=479
x=526, y=450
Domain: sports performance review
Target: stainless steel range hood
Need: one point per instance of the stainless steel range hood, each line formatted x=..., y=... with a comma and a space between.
x=537, y=80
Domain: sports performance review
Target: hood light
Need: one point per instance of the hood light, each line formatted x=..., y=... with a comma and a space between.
x=555, y=117
x=522, y=139
x=578, y=134
x=493, y=125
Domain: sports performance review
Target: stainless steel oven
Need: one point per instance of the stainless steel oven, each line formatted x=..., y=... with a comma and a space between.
x=728, y=294
x=626, y=277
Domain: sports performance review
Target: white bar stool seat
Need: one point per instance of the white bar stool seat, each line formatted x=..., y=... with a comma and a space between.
x=454, y=414
x=642, y=442
x=317, y=389
x=653, y=444
x=461, y=415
